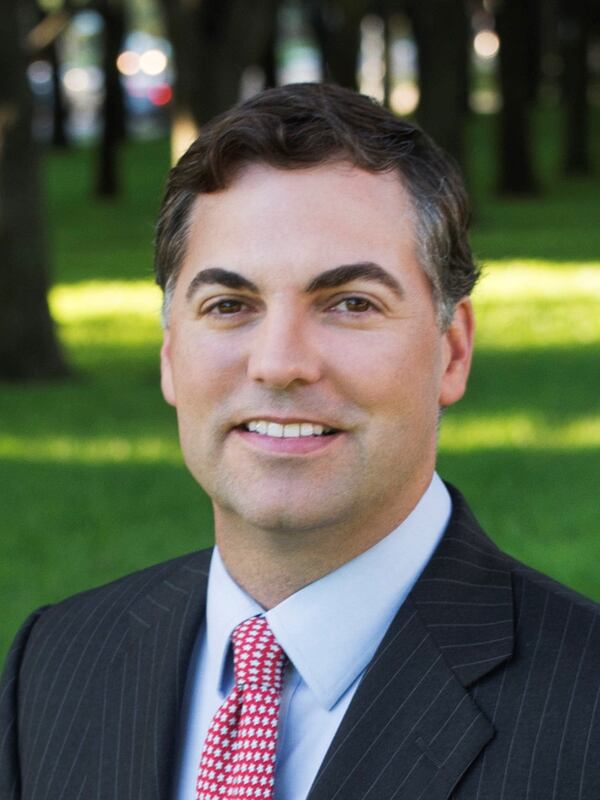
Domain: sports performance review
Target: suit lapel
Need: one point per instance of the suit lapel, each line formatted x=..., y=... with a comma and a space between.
x=145, y=685
x=412, y=728
x=465, y=598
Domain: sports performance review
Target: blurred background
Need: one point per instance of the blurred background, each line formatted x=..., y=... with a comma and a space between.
x=96, y=101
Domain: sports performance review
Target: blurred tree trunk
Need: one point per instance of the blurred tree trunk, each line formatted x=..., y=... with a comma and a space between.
x=463, y=56
x=534, y=49
x=388, y=33
x=575, y=22
x=181, y=21
x=268, y=60
x=516, y=174
x=43, y=41
x=392, y=13
x=59, y=106
x=336, y=24
x=113, y=106
x=28, y=346
x=213, y=42
x=442, y=34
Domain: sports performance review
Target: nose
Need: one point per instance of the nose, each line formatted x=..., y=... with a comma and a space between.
x=283, y=352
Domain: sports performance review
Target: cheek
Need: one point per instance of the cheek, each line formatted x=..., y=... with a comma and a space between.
x=204, y=368
x=391, y=374
x=206, y=381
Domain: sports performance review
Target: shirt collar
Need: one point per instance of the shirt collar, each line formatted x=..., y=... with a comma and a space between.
x=331, y=628
x=227, y=604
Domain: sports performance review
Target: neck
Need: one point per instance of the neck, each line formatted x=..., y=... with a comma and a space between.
x=271, y=565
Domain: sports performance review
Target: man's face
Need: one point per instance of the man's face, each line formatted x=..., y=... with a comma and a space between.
x=301, y=310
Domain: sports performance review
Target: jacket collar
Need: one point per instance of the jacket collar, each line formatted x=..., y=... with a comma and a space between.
x=413, y=729
x=164, y=626
x=465, y=597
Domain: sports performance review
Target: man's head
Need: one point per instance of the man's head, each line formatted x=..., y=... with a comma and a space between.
x=306, y=125
x=304, y=352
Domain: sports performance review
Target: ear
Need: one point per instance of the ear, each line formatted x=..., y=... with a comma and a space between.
x=166, y=370
x=457, y=347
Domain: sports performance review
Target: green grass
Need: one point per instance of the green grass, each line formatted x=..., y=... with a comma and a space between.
x=93, y=484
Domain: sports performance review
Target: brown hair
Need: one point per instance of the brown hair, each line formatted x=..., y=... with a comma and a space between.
x=304, y=125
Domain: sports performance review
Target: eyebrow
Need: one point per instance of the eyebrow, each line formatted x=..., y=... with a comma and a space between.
x=223, y=277
x=346, y=273
x=329, y=279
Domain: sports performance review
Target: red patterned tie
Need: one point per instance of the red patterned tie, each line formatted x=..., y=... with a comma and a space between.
x=238, y=759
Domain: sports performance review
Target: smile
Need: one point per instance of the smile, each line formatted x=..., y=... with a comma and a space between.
x=291, y=430
x=295, y=438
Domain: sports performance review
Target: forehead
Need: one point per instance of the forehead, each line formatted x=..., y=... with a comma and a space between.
x=302, y=221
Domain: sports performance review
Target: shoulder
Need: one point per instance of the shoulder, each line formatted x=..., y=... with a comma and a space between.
x=70, y=660
x=551, y=621
x=528, y=650
x=68, y=629
x=529, y=580
x=123, y=592
x=465, y=531
x=555, y=625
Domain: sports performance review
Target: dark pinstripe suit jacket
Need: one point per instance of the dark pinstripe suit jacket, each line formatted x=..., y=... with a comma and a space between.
x=486, y=685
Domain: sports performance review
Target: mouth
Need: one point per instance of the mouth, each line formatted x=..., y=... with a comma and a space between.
x=287, y=437
x=287, y=430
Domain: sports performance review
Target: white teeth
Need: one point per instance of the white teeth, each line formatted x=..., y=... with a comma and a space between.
x=292, y=430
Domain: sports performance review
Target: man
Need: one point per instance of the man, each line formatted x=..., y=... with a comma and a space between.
x=313, y=253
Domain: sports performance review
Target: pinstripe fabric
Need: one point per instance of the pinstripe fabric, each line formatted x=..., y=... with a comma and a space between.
x=486, y=686
x=97, y=685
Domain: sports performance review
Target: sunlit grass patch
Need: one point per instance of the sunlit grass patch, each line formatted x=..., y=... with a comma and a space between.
x=90, y=449
x=538, y=278
x=534, y=304
x=111, y=312
x=93, y=299
x=506, y=431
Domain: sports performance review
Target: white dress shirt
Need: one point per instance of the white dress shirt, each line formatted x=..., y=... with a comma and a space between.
x=329, y=630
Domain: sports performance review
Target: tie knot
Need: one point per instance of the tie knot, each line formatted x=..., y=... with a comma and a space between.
x=257, y=658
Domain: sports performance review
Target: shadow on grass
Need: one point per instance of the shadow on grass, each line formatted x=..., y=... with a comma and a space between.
x=562, y=382
x=558, y=226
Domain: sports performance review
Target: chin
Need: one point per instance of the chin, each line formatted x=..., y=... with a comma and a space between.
x=283, y=515
x=285, y=520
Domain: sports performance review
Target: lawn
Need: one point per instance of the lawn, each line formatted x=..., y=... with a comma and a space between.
x=93, y=484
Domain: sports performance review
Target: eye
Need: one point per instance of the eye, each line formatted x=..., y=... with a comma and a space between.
x=224, y=308
x=354, y=305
